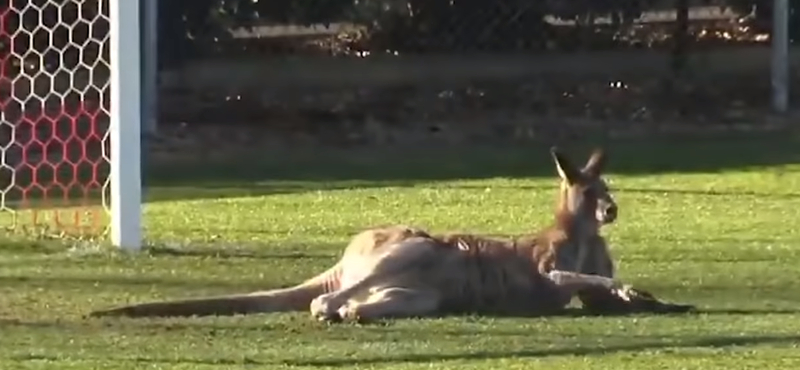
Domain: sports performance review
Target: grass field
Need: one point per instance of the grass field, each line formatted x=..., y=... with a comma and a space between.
x=710, y=222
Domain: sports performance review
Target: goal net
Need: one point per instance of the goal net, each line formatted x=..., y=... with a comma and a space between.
x=58, y=123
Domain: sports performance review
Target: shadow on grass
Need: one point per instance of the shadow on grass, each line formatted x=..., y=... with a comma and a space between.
x=643, y=343
x=218, y=252
x=329, y=169
x=378, y=327
x=364, y=168
x=755, y=194
x=754, y=311
x=324, y=169
x=313, y=262
x=703, y=342
x=55, y=283
x=656, y=191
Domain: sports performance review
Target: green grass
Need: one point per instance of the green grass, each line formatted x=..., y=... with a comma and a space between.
x=710, y=222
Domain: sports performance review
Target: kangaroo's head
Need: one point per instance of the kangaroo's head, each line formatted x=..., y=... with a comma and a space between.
x=584, y=193
x=584, y=205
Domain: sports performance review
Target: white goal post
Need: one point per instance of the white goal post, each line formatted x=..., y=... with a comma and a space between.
x=780, y=56
x=126, y=124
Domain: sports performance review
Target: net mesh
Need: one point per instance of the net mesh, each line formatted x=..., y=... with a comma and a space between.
x=54, y=98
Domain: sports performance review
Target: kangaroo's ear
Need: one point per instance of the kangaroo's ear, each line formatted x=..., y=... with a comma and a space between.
x=596, y=164
x=566, y=170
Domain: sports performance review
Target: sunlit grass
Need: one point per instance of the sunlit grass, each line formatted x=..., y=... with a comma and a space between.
x=723, y=238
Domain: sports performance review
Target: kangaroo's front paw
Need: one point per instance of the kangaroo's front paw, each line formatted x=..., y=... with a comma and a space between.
x=324, y=308
x=626, y=292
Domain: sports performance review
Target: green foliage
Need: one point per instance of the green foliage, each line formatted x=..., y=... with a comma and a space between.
x=417, y=25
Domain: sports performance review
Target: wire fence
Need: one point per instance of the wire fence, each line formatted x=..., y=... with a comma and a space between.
x=197, y=29
x=360, y=72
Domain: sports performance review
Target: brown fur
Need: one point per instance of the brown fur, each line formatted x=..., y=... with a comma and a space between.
x=399, y=271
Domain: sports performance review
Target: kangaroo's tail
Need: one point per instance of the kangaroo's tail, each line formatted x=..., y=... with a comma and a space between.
x=296, y=298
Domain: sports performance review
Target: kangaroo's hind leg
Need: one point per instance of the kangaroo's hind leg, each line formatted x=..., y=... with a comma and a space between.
x=392, y=302
x=389, y=267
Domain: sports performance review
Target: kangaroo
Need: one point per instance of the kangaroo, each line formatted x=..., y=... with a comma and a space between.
x=399, y=271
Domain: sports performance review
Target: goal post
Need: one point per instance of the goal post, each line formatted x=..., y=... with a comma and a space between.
x=70, y=119
x=780, y=56
x=125, y=129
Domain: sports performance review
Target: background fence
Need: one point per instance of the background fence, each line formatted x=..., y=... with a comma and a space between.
x=263, y=62
x=394, y=70
x=310, y=66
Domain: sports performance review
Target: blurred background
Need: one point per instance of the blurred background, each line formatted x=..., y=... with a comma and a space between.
x=346, y=72
x=350, y=72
